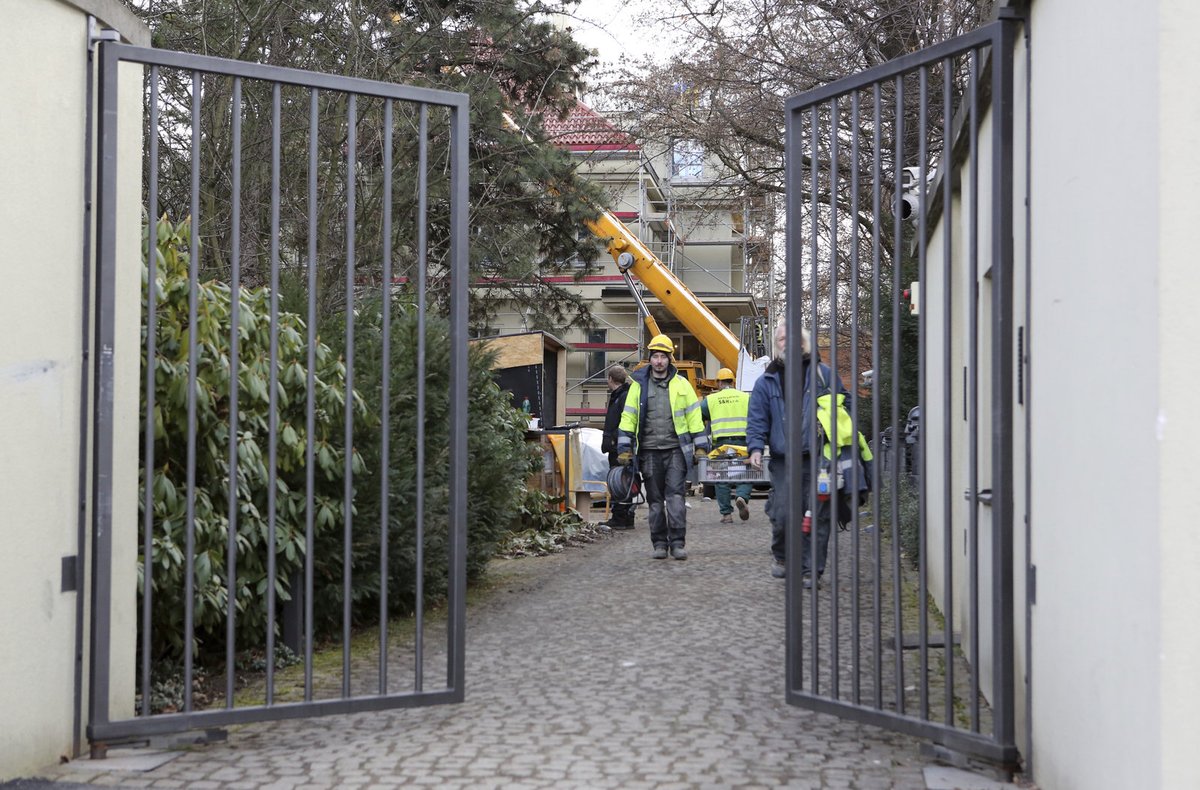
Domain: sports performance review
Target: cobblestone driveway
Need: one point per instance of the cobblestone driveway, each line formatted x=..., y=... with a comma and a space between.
x=596, y=668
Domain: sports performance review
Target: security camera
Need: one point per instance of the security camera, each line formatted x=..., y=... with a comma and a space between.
x=909, y=203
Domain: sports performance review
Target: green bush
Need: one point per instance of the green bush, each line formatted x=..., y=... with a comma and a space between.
x=499, y=460
x=909, y=533
x=169, y=482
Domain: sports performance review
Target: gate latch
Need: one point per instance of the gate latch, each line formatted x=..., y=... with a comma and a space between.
x=984, y=497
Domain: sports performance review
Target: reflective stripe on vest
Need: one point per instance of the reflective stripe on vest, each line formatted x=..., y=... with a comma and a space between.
x=685, y=413
x=727, y=411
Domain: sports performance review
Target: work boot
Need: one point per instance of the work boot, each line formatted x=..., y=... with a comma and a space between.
x=660, y=552
x=679, y=552
x=779, y=570
x=727, y=518
x=743, y=510
x=624, y=521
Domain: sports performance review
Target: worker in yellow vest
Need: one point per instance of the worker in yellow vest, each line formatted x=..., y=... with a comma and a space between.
x=725, y=412
x=661, y=428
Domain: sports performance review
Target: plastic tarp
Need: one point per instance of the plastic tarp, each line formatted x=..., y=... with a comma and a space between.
x=750, y=370
x=589, y=466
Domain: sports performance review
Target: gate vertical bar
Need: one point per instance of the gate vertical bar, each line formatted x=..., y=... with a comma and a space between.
x=85, y=383
x=235, y=300
x=385, y=381
x=273, y=399
x=456, y=654
x=348, y=409
x=102, y=445
x=189, y=560
x=1002, y=376
x=876, y=378
x=148, y=433
x=834, y=259
x=855, y=628
x=973, y=385
x=310, y=405
x=422, y=263
x=922, y=376
x=947, y=378
x=796, y=399
x=897, y=260
x=793, y=201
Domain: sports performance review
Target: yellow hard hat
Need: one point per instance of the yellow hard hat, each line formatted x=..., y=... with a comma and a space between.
x=725, y=374
x=661, y=343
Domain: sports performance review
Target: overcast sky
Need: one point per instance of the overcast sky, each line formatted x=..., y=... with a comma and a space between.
x=612, y=27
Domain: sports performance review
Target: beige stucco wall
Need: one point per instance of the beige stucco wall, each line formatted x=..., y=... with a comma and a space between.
x=1114, y=647
x=1178, y=420
x=41, y=246
x=1112, y=409
x=1107, y=527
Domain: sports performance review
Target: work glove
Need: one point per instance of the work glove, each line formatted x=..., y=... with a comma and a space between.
x=756, y=459
x=625, y=458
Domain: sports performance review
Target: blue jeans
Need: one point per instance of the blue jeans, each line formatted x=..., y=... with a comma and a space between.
x=725, y=502
x=778, y=507
x=664, y=473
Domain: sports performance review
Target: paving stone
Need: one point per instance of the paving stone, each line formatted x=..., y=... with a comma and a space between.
x=593, y=668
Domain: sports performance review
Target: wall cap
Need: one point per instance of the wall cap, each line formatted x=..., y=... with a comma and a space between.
x=116, y=15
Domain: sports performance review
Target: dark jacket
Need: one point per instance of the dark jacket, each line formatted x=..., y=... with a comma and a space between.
x=612, y=420
x=765, y=424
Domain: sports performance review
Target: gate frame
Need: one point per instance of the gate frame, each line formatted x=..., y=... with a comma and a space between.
x=1000, y=747
x=101, y=729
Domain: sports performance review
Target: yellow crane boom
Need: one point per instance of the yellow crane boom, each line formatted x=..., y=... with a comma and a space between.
x=632, y=256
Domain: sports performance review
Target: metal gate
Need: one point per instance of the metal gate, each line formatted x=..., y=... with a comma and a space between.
x=900, y=264
x=274, y=198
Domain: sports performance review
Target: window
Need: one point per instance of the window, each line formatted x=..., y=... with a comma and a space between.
x=687, y=159
x=596, y=359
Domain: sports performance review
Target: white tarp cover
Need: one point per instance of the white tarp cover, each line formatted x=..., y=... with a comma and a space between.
x=594, y=465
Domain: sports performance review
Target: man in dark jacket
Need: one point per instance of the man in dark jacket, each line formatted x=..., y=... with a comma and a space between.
x=767, y=427
x=618, y=388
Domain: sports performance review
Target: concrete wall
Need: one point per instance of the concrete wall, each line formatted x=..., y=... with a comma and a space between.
x=1110, y=322
x=41, y=318
x=1097, y=380
x=1178, y=420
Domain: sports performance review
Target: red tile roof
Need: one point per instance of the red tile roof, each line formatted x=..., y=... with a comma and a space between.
x=584, y=129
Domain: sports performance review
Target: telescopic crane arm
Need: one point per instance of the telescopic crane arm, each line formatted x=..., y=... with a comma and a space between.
x=633, y=257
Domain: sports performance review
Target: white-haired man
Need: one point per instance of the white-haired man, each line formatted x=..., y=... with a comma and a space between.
x=767, y=427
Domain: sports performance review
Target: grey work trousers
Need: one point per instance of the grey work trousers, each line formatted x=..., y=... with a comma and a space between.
x=778, y=507
x=664, y=473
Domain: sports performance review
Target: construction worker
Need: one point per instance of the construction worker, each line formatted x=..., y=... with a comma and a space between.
x=661, y=425
x=618, y=388
x=725, y=412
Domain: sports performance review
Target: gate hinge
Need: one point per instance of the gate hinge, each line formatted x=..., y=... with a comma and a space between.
x=97, y=33
x=1031, y=584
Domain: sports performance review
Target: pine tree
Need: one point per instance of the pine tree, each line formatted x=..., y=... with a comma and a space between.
x=502, y=53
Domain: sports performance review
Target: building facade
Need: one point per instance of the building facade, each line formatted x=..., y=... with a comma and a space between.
x=672, y=200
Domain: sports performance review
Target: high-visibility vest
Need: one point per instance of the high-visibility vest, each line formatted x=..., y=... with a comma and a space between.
x=845, y=426
x=727, y=410
x=685, y=413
